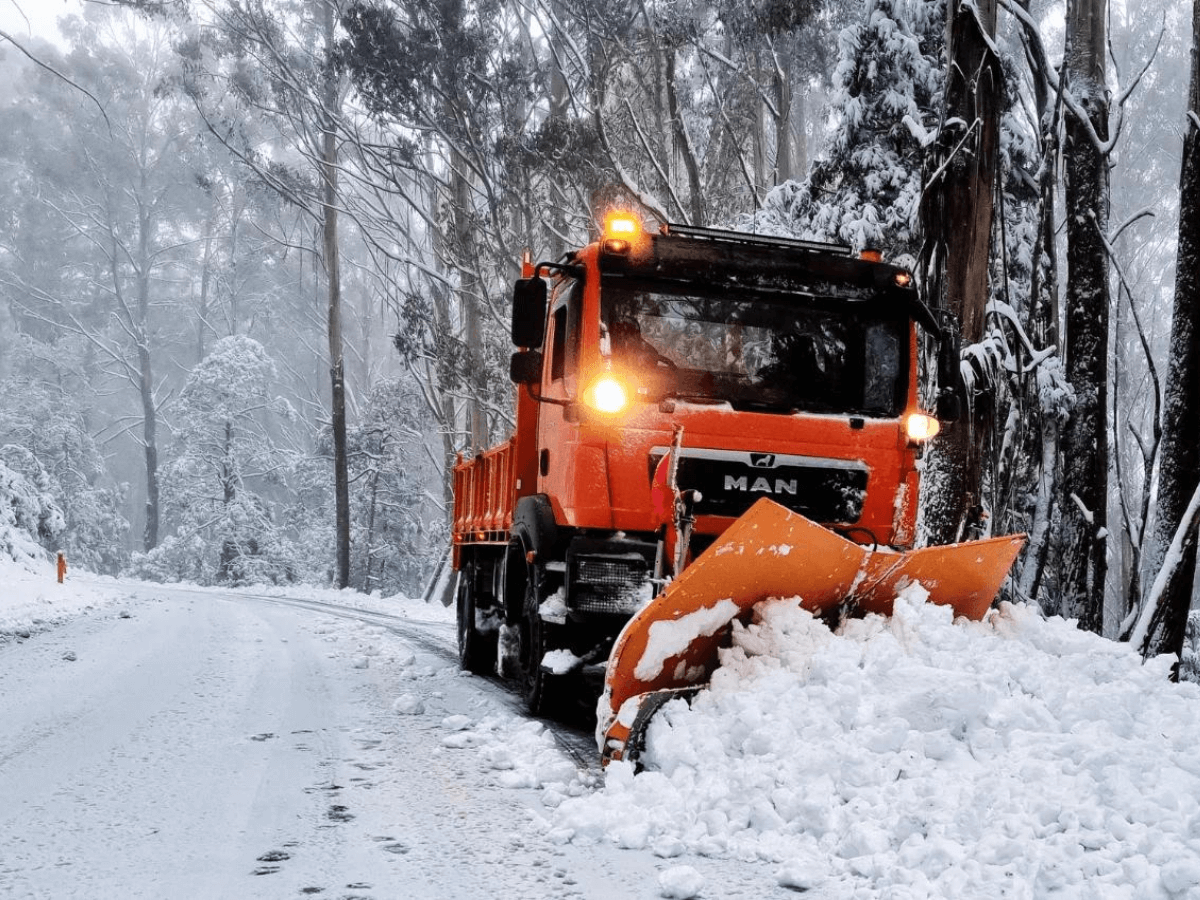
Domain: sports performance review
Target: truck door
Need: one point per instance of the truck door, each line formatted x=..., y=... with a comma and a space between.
x=556, y=436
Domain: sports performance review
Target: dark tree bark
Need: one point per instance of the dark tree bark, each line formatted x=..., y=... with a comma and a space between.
x=1179, y=469
x=1083, y=488
x=337, y=363
x=956, y=224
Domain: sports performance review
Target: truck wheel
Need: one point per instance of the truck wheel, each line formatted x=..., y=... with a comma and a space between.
x=544, y=691
x=476, y=650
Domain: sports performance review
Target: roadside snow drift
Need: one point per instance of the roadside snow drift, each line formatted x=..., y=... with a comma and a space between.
x=32, y=600
x=913, y=756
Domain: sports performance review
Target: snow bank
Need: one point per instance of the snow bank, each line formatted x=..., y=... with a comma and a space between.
x=31, y=599
x=916, y=757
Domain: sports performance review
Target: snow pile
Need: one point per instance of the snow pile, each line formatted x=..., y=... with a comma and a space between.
x=680, y=883
x=914, y=757
x=522, y=753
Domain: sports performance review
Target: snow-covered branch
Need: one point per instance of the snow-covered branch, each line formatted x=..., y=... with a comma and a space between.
x=1140, y=635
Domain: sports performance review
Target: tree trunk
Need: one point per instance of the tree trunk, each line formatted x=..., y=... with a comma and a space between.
x=800, y=134
x=141, y=331
x=683, y=146
x=785, y=169
x=1179, y=468
x=1083, y=498
x=762, y=182
x=150, y=445
x=337, y=363
x=468, y=300
x=229, y=547
x=957, y=220
x=206, y=265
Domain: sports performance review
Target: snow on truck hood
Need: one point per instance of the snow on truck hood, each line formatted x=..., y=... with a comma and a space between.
x=913, y=756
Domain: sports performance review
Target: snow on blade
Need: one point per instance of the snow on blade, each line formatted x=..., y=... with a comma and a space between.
x=669, y=638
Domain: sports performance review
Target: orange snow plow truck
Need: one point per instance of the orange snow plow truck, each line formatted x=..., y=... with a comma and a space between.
x=704, y=419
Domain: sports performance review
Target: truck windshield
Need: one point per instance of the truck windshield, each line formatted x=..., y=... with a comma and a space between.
x=758, y=350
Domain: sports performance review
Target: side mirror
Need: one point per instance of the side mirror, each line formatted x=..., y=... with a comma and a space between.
x=525, y=367
x=529, y=312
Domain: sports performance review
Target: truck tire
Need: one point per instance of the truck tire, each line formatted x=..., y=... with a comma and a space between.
x=476, y=650
x=545, y=693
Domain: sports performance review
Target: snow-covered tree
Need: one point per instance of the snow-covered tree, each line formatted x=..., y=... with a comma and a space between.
x=956, y=231
x=400, y=533
x=1081, y=550
x=1171, y=550
x=29, y=516
x=865, y=190
x=218, y=486
x=46, y=422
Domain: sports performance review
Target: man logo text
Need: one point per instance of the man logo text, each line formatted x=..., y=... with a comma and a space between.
x=760, y=485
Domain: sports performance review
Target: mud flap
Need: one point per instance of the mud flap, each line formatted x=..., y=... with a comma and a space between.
x=772, y=552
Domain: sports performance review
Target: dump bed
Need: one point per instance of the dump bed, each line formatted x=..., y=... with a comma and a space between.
x=484, y=497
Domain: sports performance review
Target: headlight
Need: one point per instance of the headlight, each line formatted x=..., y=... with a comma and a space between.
x=607, y=395
x=921, y=427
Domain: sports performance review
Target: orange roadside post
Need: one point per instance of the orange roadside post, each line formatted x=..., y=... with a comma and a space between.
x=62, y=566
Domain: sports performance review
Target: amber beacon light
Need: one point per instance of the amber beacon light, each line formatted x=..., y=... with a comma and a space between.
x=621, y=225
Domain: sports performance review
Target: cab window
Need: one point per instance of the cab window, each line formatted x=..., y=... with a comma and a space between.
x=564, y=352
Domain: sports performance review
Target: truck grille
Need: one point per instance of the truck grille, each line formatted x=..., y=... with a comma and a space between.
x=607, y=572
x=825, y=490
x=609, y=584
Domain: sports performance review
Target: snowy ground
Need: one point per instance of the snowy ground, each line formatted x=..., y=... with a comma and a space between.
x=157, y=741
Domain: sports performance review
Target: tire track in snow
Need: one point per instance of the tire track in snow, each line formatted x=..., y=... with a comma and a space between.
x=439, y=639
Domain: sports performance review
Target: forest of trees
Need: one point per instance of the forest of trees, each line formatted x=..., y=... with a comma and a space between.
x=256, y=257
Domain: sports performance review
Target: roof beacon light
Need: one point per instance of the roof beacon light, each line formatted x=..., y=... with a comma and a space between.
x=621, y=225
x=871, y=255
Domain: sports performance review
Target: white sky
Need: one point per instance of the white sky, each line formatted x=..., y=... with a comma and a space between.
x=35, y=18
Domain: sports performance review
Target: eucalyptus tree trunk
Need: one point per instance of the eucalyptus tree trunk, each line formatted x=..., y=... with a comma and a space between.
x=785, y=156
x=683, y=146
x=206, y=267
x=799, y=135
x=468, y=299
x=1083, y=488
x=140, y=330
x=957, y=223
x=1179, y=466
x=337, y=363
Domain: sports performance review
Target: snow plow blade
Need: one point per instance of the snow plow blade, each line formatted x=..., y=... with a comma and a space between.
x=671, y=644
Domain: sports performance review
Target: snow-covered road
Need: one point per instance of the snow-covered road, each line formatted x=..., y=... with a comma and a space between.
x=173, y=742
x=186, y=744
